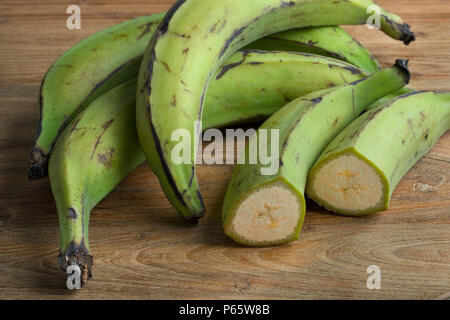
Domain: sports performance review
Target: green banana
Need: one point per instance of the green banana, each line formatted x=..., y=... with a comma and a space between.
x=83, y=73
x=358, y=171
x=112, y=56
x=193, y=40
x=100, y=147
x=89, y=159
x=266, y=206
x=332, y=42
x=254, y=84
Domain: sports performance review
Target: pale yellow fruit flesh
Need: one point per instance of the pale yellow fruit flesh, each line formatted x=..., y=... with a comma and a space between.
x=348, y=183
x=270, y=213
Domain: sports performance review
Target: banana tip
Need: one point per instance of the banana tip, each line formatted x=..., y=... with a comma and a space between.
x=402, y=64
x=408, y=35
x=38, y=165
x=37, y=171
x=80, y=257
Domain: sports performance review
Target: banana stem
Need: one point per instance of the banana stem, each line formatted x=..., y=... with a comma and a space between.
x=77, y=254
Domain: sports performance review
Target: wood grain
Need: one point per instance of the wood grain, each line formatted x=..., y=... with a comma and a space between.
x=144, y=250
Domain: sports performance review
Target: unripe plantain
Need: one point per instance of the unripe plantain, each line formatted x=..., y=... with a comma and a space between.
x=193, y=40
x=358, y=171
x=82, y=74
x=332, y=42
x=112, y=56
x=100, y=147
x=263, y=209
x=90, y=158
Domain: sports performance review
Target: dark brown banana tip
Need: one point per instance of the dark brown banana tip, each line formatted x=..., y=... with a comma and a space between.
x=37, y=171
x=402, y=64
x=38, y=165
x=77, y=255
x=408, y=35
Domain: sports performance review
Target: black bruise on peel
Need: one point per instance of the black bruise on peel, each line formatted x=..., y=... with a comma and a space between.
x=353, y=70
x=287, y=4
x=71, y=213
x=235, y=34
x=105, y=127
x=164, y=26
x=316, y=100
x=148, y=27
x=227, y=67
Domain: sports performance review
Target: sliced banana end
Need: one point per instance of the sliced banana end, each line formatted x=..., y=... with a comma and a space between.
x=348, y=185
x=269, y=215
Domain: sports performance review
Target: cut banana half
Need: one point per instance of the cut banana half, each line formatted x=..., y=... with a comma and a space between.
x=358, y=171
x=350, y=182
x=270, y=214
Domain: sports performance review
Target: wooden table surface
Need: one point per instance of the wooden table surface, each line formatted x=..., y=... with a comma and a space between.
x=141, y=246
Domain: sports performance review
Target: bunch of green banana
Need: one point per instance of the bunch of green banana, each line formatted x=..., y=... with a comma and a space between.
x=358, y=171
x=193, y=40
x=100, y=146
x=266, y=206
x=112, y=56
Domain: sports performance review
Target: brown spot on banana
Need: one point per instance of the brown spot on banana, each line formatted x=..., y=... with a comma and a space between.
x=104, y=128
x=72, y=214
x=147, y=29
x=173, y=103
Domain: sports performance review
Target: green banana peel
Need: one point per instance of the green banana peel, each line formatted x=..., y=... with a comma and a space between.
x=358, y=171
x=332, y=42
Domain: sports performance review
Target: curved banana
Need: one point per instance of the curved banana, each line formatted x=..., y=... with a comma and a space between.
x=112, y=56
x=90, y=158
x=194, y=38
x=83, y=73
x=358, y=171
x=264, y=204
x=100, y=147
x=332, y=42
x=254, y=84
